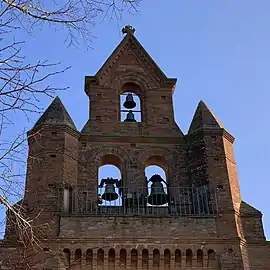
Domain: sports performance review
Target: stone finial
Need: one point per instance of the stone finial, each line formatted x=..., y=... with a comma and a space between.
x=128, y=29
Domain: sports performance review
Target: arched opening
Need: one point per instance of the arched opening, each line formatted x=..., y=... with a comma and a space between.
x=130, y=103
x=109, y=181
x=178, y=258
x=123, y=258
x=66, y=252
x=145, y=259
x=78, y=257
x=189, y=257
x=199, y=258
x=134, y=259
x=211, y=257
x=156, y=259
x=100, y=259
x=157, y=184
x=167, y=259
x=89, y=259
x=111, y=259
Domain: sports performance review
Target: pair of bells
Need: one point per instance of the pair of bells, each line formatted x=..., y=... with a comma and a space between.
x=157, y=196
x=130, y=104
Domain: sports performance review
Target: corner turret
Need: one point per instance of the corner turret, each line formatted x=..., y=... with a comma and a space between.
x=52, y=161
x=211, y=160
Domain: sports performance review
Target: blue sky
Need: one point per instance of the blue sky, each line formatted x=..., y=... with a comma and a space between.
x=218, y=51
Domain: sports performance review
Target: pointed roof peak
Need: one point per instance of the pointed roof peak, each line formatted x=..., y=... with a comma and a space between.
x=56, y=114
x=204, y=118
x=57, y=98
x=131, y=48
x=201, y=103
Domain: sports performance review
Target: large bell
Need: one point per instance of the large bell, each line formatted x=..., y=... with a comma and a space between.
x=109, y=193
x=158, y=195
x=129, y=103
x=130, y=117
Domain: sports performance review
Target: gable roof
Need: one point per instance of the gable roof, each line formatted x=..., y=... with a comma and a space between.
x=130, y=42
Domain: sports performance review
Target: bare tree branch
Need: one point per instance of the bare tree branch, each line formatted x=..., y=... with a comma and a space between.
x=23, y=84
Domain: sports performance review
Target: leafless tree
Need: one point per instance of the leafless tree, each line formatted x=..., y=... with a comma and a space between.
x=22, y=84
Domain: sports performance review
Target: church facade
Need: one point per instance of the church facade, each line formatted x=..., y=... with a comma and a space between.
x=192, y=217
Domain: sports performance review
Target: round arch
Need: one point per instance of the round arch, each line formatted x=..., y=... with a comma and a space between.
x=110, y=159
x=111, y=156
x=155, y=157
x=109, y=168
x=108, y=155
x=97, y=153
x=113, y=159
x=138, y=79
x=131, y=87
x=139, y=83
x=156, y=165
x=156, y=160
x=149, y=156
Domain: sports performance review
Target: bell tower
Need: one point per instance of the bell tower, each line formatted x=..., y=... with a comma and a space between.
x=130, y=72
x=188, y=215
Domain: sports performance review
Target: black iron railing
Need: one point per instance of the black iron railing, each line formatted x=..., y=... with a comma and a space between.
x=172, y=201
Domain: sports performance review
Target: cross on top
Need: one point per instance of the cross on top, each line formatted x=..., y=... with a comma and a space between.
x=128, y=29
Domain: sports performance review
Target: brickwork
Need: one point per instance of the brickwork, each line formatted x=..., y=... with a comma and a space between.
x=62, y=159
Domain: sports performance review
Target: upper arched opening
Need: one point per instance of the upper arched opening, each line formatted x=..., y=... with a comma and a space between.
x=131, y=87
x=130, y=103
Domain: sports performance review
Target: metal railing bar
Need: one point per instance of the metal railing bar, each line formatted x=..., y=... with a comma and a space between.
x=179, y=201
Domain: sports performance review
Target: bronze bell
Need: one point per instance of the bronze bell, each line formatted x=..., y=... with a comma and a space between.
x=109, y=193
x=129, y=103
x=158, y=195
x=130, y=117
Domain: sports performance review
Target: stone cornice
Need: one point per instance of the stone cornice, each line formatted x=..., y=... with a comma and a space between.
x=132, y=140
x=141, y=241
x=214, y=131
x=195, y=240
x=228, y=136
x=54, y=127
